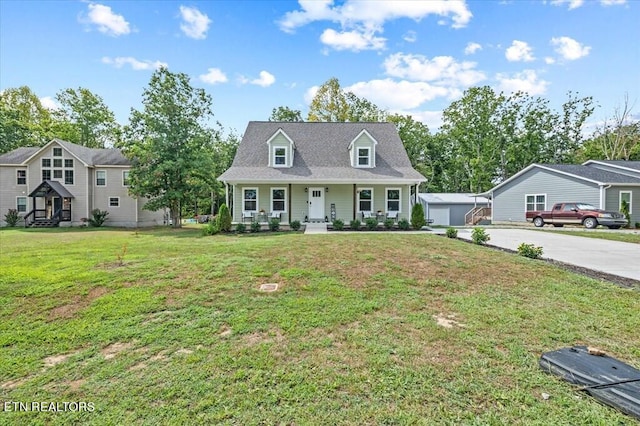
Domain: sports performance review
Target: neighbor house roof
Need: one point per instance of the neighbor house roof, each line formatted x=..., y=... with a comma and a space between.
x=17, y=156
x=452, y=198
x=321, y=154
x=621, y=164
x=88, y=156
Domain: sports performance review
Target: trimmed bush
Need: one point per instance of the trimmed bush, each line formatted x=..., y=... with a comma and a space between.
x=98, y=217
x=295, y=225
x=224, y=219
x=274, y=225
x=388, y=224
x=479, y=236
x=255, y=226
x=417, y=216
x=355, y=225
x=371, y=223
x=338, y=224
x=530, y=251
x=404, y=224
x=241, y=227
x=452, y=232
x=211, y=228
x=12, y=217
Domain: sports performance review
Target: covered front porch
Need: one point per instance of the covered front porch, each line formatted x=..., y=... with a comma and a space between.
x=51, y=204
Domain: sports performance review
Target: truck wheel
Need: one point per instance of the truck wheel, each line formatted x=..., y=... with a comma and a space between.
x=538, y=222
x=590, y=223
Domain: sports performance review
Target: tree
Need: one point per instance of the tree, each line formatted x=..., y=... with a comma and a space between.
x=283, y=113
x=361, y=109
x=85, y=120
x=168, y=144
x=23, y=119
x=329, y=104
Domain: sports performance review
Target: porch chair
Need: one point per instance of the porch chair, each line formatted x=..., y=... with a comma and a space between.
x=247, y=215
x=366, y=215
x=392, y=215
x=275, y=215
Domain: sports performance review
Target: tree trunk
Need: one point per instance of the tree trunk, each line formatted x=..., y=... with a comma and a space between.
x=175, y=215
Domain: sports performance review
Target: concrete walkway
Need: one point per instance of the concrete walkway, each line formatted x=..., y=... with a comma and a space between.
x=315, y=228
x=612, y=257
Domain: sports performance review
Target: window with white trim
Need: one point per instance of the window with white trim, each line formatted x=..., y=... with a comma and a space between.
x=57, y=162
x=114, y=201
x=57, y=152
x=125, y=178
x=68, y=163
x=46, y=162
x=21, y=204
x=278, y=199
x=21, y=177
x=393, y=199
x=250, y=199
x=46, y=174
x=68, y=177
x=57, y=173
x=279, y=156
x=101, y=178
x=535, y=202
x=365, y=199
x=364, y=159
x=626, y=196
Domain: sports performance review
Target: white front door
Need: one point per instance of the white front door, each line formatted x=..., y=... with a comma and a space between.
x=316, y=203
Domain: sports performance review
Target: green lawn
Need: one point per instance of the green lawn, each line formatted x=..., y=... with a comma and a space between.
x=173, y=329
x=626, y=236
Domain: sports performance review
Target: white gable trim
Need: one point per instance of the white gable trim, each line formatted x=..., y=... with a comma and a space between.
x=375, y=142
x=283, y=133
x=47, y=146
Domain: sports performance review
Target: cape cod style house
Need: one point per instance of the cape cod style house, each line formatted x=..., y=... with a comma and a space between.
x=319, y=171
x=60, y=183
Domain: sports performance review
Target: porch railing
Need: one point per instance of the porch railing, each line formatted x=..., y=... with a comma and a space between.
x=34, y=215
x=477, y=214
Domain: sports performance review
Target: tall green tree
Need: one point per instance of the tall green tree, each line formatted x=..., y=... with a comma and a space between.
x=84, y=119
x=23, y=119
x=169, y=143
x=284, y=113
x=363, y=110
x=329, y=104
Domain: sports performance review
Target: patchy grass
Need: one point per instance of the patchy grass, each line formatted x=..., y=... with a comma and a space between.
x=177, y=331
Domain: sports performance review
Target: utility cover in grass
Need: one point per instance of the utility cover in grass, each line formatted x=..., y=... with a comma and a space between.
x=269, y=287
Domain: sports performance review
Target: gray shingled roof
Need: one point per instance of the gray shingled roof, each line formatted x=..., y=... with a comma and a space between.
x=622, y=163
x=321, y=154
x=17, y=156
x=90, y=156
x=593, y=173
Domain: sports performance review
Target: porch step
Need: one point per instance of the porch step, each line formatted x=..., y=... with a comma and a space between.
x=43, y=224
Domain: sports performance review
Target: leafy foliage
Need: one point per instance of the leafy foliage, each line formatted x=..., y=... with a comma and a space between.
x=404, y=224
x=355, y=225
x=371, y=223
x=283, y=113
x=274, y=225
x=452, y=232
x=338, y=224
x=11, y=218
x=479, y=236
x=388, y=223
x=624, y=209
x=241, y=227
x=211, y=228
x=224, y=219
x=530, y=251
x=417, y=216
x=255, y=226
x=23, y=119
x=98, y=217
x=295, y=225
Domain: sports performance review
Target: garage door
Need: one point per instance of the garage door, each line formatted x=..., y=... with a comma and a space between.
x=440, y=215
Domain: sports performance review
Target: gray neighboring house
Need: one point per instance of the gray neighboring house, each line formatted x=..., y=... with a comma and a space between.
x=454, y=209
x=60, y=183
x=605, y=184
x=310, y=171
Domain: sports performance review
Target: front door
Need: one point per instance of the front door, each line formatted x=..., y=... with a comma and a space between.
x=57, y=205
x=316, y=203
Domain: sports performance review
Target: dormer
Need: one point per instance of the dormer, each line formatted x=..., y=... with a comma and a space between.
x=362, y=150
x=281, y=149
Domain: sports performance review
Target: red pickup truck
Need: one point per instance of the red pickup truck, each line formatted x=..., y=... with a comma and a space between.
x=577, y=214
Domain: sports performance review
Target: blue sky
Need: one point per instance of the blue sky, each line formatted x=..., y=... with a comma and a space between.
x=411, y=57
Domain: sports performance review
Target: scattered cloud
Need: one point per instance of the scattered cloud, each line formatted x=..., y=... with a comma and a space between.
x=519, y=51
x=612, y=2
x=472, y=48
x=443, y=70
x=569, y=48
x=213, y=76
x=266, y=79
x=574, y=4
x=49, y=103
x=135, y=64
x=106, y=20
x=391, y=94
x=549, y=60
x=525, y=81
x=410, y=37
x=352, y=40
x=195, y=24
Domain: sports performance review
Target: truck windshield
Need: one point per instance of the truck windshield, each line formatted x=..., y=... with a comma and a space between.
x=583, y=206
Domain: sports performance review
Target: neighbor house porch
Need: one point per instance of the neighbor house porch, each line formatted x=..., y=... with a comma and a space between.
x=51, y=204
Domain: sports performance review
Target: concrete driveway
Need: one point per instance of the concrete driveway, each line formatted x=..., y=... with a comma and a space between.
x=612, y=257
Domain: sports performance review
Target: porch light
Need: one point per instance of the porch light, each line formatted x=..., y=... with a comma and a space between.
x=306, y=189
x=326, y=189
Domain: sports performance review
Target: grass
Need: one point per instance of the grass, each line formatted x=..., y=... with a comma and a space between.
x=627, y=236
x=174, y=330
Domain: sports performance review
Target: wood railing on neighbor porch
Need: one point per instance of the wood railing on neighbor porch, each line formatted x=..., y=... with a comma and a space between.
x=477, y=214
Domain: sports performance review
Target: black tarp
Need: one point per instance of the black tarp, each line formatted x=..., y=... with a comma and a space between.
x=607, y=379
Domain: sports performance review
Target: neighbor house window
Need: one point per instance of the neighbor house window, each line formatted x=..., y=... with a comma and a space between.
x=46, y=174
x=365, y=200
x=68, y=163
x=57, y=162
x=114, y=201
x=278, y=197
x=57, y=173
x=626, y=196
x=280, y=156
x=393, y=199
x=250, y=199
x=68, y=177
x=363, y=157
x=536, y=202
x=46, y=162
x=57, y=152
x=125, y=178
x=21, y=204
x=101, y=178
x=21, y=177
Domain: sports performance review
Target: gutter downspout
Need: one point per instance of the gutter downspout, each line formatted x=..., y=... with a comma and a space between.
x=603, y=191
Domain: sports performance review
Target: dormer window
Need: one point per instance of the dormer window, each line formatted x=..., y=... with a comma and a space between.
x=280, y=157
x=281, y=149
x=362, y=150
x=364, y=157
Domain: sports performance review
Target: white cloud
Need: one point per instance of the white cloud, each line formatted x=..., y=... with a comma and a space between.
x=213, y=76
x=107, y=22
x=549, y=60
x=525, y=81
x=573, y=4
x=195, y=23
x=49, y=103
x=136, y=65
x=391, y=94
x=443, y=70
x=569, y=48
x=266, y=79
x=351, y=40
x=472, y=48
x=410, y=37
x=612, y=2
x=367, y=18
x=519, y=51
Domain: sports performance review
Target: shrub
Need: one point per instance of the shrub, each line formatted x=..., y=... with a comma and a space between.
x=637, y=225
x=241, y=227
x=211, y=228
x=452, y=232
x=624, y=209
x=388, y=223
x=98, y=217
x=274, y=225
x=295, y=225
x=224, y=219
x=417, y=216
x=12, y=217
x=372, y=223
x=355, y=225
x=338, y=225
x=255, y=226
x=530, y=251
x=479, y=236
x=403, y=224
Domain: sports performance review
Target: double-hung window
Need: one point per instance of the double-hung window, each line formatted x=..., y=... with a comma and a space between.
x=365, y=200
x=280, y=156
x=21, y=204
x=125, y=178
x=535, y=202
x=21, y=177
x=68, y=177
x=363, y=157
x=101, y=178
x=250, y=199
x=114, y=201
x=393, y=199
x=278, y=197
